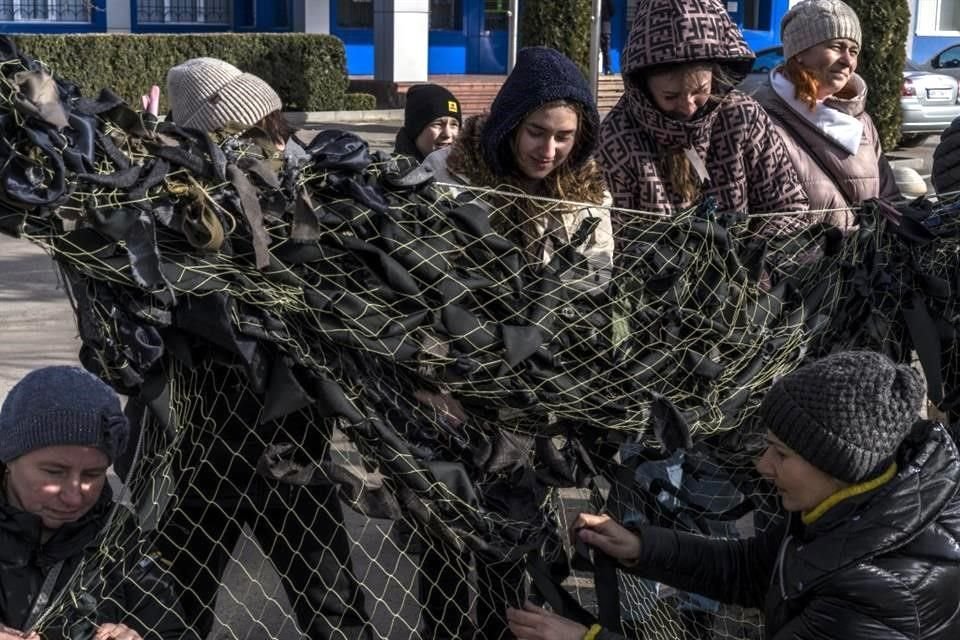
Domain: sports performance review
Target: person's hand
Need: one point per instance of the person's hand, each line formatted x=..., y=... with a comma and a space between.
x=9, y=633
x=536, y=623
x=607, y=535
x=113, y=631
x=151, y=100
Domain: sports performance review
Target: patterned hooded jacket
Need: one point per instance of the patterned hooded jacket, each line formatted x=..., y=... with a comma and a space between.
x=748, y=167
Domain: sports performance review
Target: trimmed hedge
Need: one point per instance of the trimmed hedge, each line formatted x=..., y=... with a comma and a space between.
x=561, y=24
x=308, y=71
x=359, y=102
x=885, y=24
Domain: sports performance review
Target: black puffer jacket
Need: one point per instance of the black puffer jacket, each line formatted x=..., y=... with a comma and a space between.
x=883, y=564
x=130, y=590
x=946, y=160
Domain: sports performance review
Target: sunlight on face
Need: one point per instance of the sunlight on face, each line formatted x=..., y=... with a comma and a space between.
x=438, y=134
x=832, y=63
x=680, y=94
x=59, y=484
x=544, y=140
x=801, y=485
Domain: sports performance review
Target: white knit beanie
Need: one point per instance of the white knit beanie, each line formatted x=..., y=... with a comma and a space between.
x=814, y=21
x=208, y=94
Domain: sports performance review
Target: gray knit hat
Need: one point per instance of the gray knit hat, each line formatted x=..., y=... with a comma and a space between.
x=208, y=94
x=845, y=414
x=814, y=21
x=61, y=406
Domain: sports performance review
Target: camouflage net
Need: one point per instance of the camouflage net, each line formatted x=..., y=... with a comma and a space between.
x=332, y=327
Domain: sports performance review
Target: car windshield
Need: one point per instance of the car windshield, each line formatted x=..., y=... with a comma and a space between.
x=910, y=65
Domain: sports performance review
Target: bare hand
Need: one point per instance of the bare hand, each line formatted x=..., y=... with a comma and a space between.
x=535, y=623
x=9, y=633
x=607, y=535
x=151, y=101
x=111, y=631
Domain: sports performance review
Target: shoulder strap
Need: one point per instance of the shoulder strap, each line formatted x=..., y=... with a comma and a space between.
x=802, y=141
x=43, y=598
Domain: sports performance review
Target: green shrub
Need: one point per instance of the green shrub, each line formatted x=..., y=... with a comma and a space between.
x=359, y=102
x=308, y=71
x=562, y=24
x=885, y=24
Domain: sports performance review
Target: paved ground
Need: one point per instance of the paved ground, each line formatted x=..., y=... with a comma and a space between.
x=380, y=135
x=37, y=328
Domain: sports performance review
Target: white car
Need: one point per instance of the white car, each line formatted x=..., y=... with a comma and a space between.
x=929, y=101
x=946, y=61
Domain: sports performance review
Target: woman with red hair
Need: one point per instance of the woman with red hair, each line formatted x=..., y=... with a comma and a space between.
x=816, y=100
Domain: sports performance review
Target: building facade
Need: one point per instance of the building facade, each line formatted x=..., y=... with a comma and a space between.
x=934, y=25
x=415, y=37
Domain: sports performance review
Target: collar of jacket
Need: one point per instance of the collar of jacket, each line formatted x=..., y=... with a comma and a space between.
x=854, y=106
x=20, y=533
x=875, y=522
x=669, y=132
x=853, y=490
x=830, y=117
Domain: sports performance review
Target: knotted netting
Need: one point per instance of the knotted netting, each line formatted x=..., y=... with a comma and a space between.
x=367, y=404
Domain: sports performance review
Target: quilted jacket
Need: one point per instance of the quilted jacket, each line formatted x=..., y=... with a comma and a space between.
x=881, y=564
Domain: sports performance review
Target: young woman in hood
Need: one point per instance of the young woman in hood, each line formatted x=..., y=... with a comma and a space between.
x=680, y=131
x=817, y=101
x=538, y=139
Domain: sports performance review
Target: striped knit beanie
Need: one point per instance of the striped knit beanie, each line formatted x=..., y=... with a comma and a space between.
x=845, y=414
x=208, y=94
x=814, y=21
x=61, y=406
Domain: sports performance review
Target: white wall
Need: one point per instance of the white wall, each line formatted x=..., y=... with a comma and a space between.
x=119, y=19
x=401, y=35
x=311, y=16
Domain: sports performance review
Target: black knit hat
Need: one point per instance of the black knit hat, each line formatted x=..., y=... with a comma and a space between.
x=541, y=75
x=845, y=414
x=61, y=406
x=426, y=103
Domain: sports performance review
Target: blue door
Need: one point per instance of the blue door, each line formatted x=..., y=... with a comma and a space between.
x=262, y=15
x=487, y=36
x=466, y=36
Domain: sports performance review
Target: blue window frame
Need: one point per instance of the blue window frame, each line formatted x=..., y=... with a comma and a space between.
x=171, y=16
x=52, y=16
x=204, y=16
